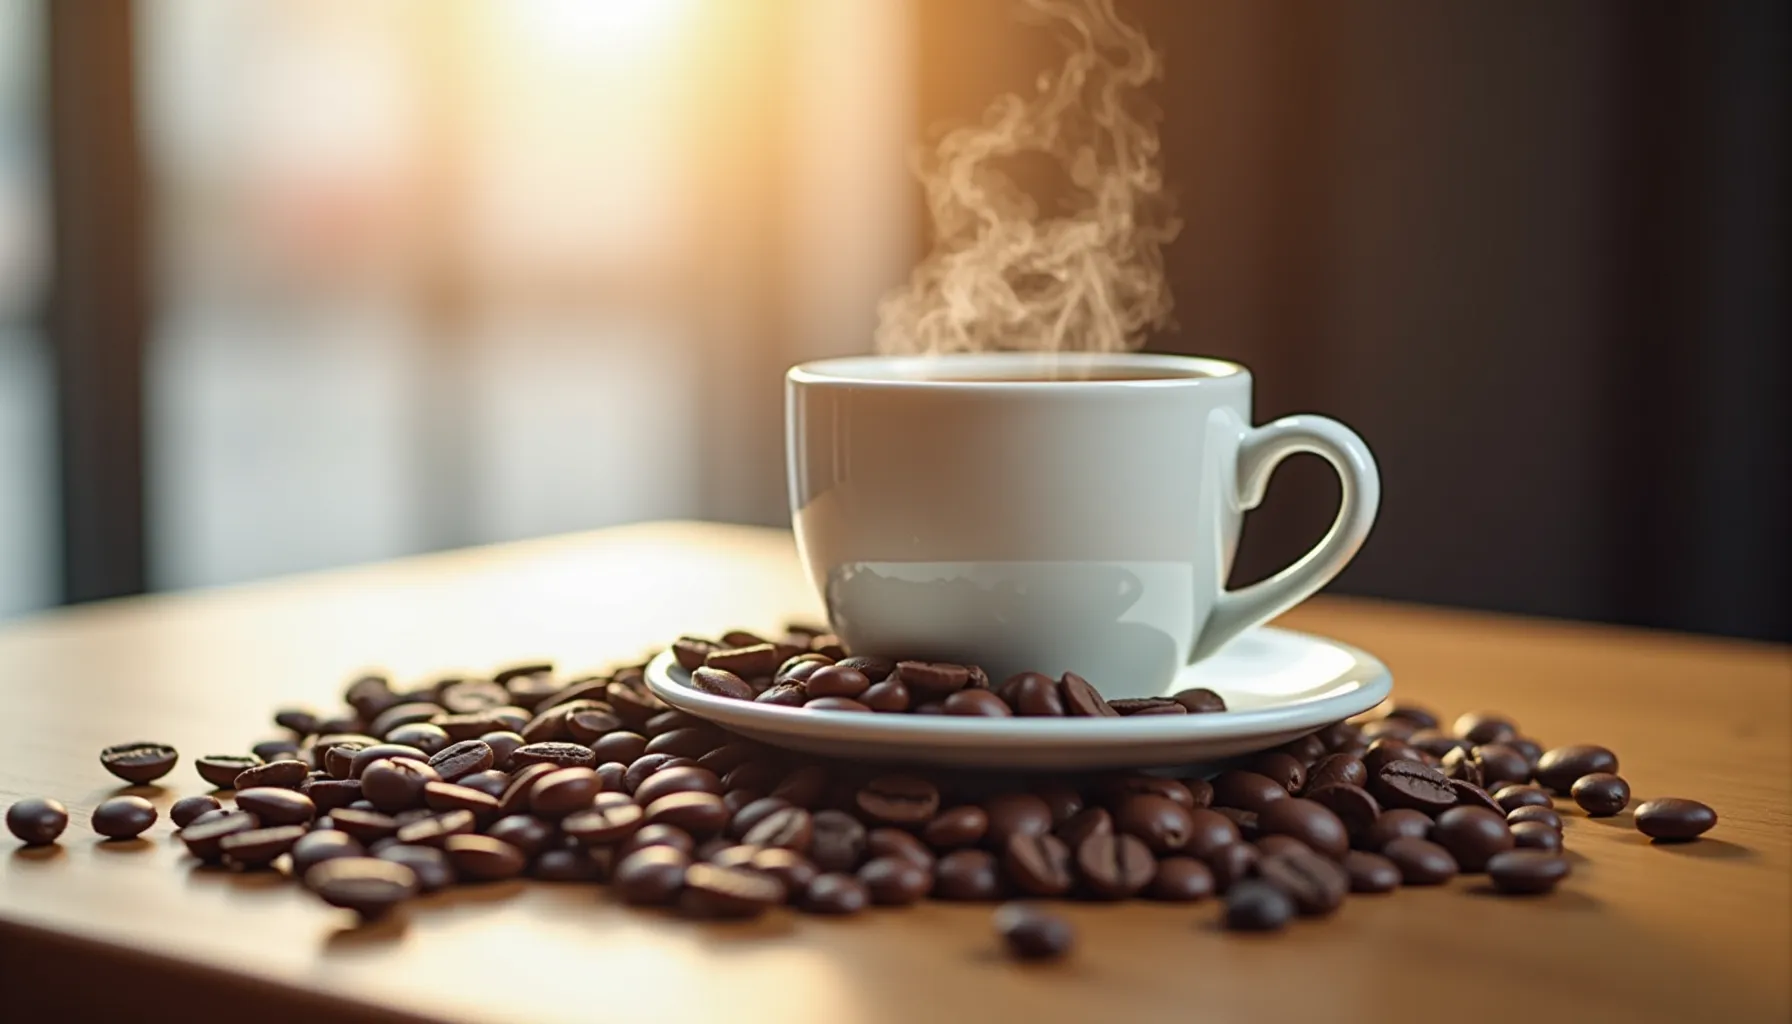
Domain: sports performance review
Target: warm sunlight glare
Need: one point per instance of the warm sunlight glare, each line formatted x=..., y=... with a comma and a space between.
x=614, y=32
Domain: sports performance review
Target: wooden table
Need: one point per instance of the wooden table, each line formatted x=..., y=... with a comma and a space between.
x=1694, y=932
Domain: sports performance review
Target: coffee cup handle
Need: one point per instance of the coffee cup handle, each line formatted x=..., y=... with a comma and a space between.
x=1262, y=449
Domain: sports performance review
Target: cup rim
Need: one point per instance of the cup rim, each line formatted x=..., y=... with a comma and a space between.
x=900, y=372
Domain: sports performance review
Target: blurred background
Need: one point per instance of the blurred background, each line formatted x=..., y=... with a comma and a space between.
x=289, y=284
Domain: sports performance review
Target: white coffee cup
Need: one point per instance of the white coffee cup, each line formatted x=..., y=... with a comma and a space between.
x=1068, y=512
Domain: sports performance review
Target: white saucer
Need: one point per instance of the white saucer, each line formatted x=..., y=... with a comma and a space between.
x=1278, y=684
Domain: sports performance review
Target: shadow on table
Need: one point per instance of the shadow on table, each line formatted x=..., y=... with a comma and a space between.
x=35, y=855
x=1705, y=849
x=136, y=845
x=1557, y=899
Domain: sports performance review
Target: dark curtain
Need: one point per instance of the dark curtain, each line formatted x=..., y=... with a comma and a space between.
x=1536, y=254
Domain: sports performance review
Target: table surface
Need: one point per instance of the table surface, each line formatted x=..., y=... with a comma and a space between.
x=1640, y=932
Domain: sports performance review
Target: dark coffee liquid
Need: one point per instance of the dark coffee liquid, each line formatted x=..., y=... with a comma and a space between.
x=1067, y=373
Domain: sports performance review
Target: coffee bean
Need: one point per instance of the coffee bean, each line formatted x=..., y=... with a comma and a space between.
x=623, y=747
x=719, y=682
x=394, y=785
x=703, y=815
x=1528, y=749
x=1033, y=933
x=1231, y=864
x=801, y=667
x=1440, y=744
x=1558, y=769
x=483, y=859
x=1460, y=764
x=805, y=786
x=976, y=703
x=317, y=846
x=1287, y=772
x=1469, y=795
x=302, y=722
x=893, y=842
x=1247, y=791
x=889, y=695
x=967, y=875
x=691, y=651
x=746, y=662
x=1601, y=794
x=895, y=881
x=329, y=794
x=431, y=867
x=728, y=893
x=558, y=754
x=1526, y=872
x=1535, y=835
x=1246, y=821
x=838, y=841
x=403, y=714
x=282, y=774
x=1199, y=701
x=899, y=799
x=956, y=827
x=425, y=737
x=835, y=894
x=1412, y=785
x=835, y=681
x=1127, y=707
x=367, y=827
x=139, y=763
x=588, y=725
x=1033, y=695
x=1012, y=814
x=273, y=806
x=1481, y=727
x=561, y=792
x=1039, y=864
x=378, y=752
x=836, y=704
x=436, y=829
x=1500, y=765
x=1334, y=770
x=1257, y=906
x=1471, y=835
x=1114, y=866
x=1386, y=751
x=189, y=807
x=1541, y=815
x=1209, y=831
x=369, y=886
x=221, y=770
x=204, y=837
x=932, y=679
x=1371, y=872
x=876, y=669
x=1351, y=804
x=123, y=817
x=1512, y=797
x=1082, y=700
x=260, y=847
x=1309, y=821
x=1269, y=846
x=1164, y=825
x=789, y=828
x=1315, y=883
x=1673, y=820
x=1118, y=788
x=651, y=876
x=1179, y=879
x=1421, y=862
x=1085, y=823
x=567, y=864
x=452, y=763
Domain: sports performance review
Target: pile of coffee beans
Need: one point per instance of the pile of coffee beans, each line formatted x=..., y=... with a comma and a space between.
x=809, y=669
x=403, y=792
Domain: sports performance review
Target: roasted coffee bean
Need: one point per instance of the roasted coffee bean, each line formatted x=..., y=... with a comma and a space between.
x=956, y=827
x=471, y=695
x=899, y=799
x=805, y=786
x=1115, y=866
x=436, y=829
x=560, y=755
x=369, y=695
x=677, y=779
x=895, y=881
x=1287, y=772
x=1535, y=835
x=1541, y=815
x=221, y=770
x=1039, y=865
x=1414, y=786
x=1468, y=795
x=258, y=848
x=752, y=814
x=790, y=828
x=189, y=807
x=329, y=794
x=1164, y=825
x=1209, y=831
x=446, y=796
x=204, y=837
x=339, y=760
x=431, y=867
x=1033, y=933
x=690, y=652
x=588, y=725
x=319, y=845
x=728, y=893
x=651, y=876
x=834, y=681
x=1309, y=821
x=276, y=750
x=561, y=792
x=367, y=827
x=1064, y=800
x=658, y=835
x=1385, y=751
x=1336, y=769
x=483, y=859
x=835, y=894
x=835, y=704
x=788, y=695
x=1085, y=823
x=139, y=763
x=403, y=714
x=932, y=679
x=1528, y=749
x=967, y=875
x=1128, y=707
x=272, y=806
x=1315, y=883
x=1481, y=727
x=1559, y=769
x=889, y=695
x=838, y=841
x=801, y=667
x=1306, y=749
x=746, y=662
x=1601, y=794
x=1460, y=764
x=1231, y=864
x=931, y=707
x=719, y=682
x=531, y=835
x=1082, y=700
x=622, y=747
x=123, y=817
x=458, y=760
x=302, y=722
x=1033, y=695
x=1440, y=744
x=369, y=886
x=282, y=774
x=1371, y=872
x=1179, y=879
x=976, y=703
x=473, y=725
x=1269, y=846
x=1119, y=787
x=1257, y=906
x=1352, y=804
x=567, y=864
x=701, y=814
x=1246, y=821
x=1199, y=701
x=1471, y=835
x=692, y=742
x=515, y=799
x=893, y=842
x=425, y=737
x=1247, y=791
x=1012, y=814
x=394, y=785
x=876, y=669
x=1421, y=862
x=1419, y=717
x=1526, y=872
x=380, y=752
x=1500, y=765
x=729, y=756
x=1511, y=798
x=1673, y=820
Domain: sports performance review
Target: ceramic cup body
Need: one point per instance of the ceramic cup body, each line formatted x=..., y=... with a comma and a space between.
x=1048, y=513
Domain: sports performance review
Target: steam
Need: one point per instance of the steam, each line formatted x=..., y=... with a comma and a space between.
x=1087, y=275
